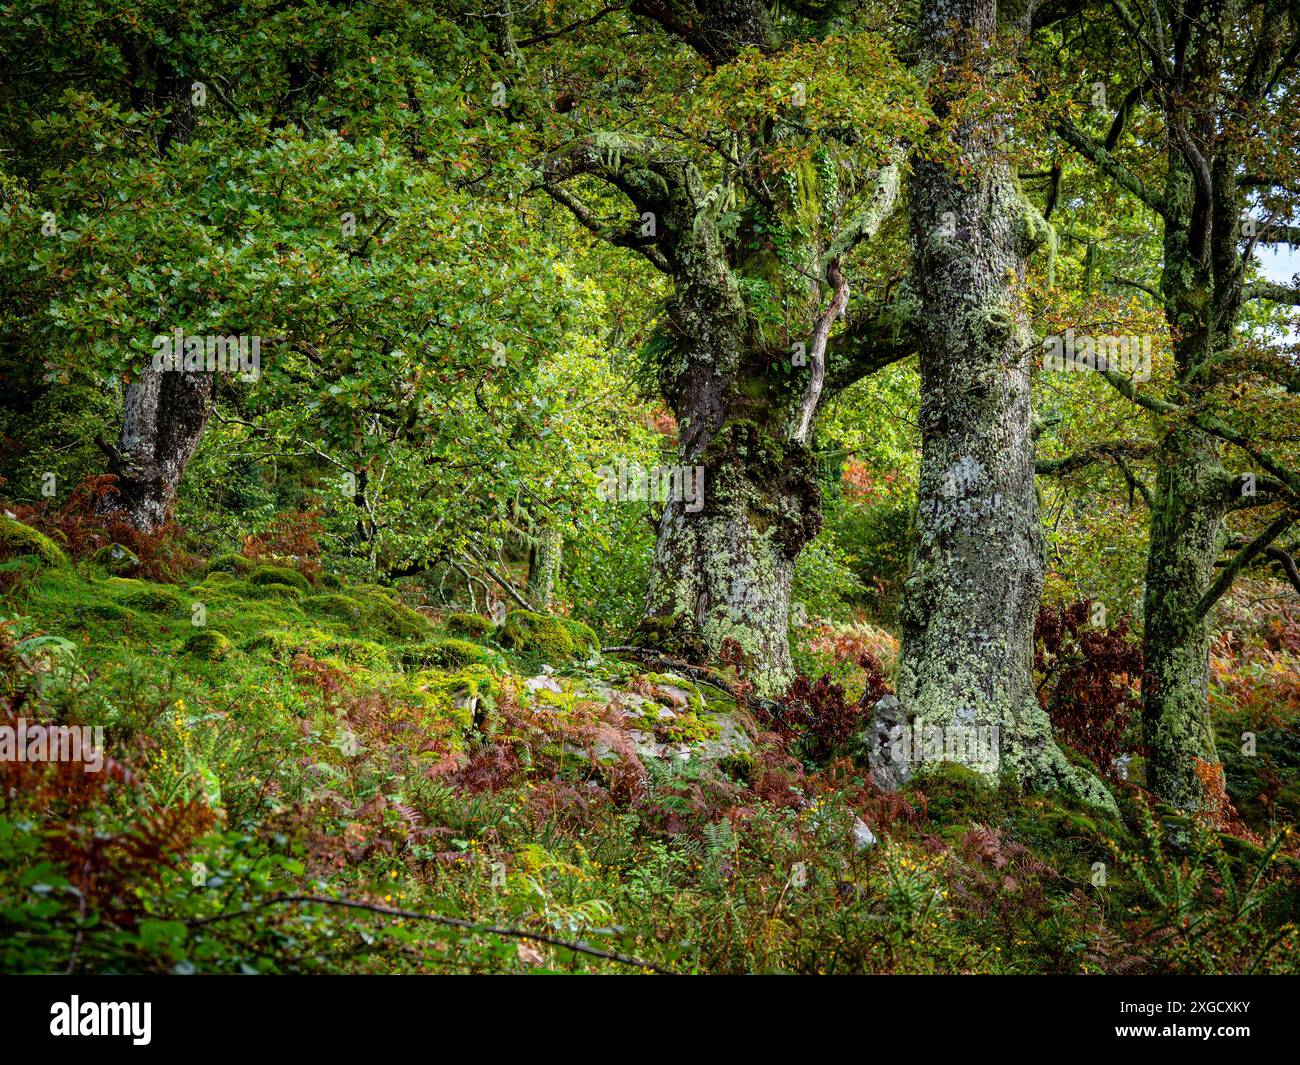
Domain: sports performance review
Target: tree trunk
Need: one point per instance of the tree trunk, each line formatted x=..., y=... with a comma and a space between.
x=163, y=417
x=976, y=573
x=544, y=566
x=722, y=572
x=1186, y=539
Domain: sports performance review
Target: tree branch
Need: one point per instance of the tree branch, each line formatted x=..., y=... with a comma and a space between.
x=1239, y=561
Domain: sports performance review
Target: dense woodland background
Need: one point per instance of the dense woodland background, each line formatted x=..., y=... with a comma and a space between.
x=400, y=667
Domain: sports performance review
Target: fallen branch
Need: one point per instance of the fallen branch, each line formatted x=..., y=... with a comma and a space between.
x=434, y=918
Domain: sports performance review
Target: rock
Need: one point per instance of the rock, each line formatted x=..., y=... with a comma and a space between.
x=890, y=772
x=117, y=560
x=863, y=837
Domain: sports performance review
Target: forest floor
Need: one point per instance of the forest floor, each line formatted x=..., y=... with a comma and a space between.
x=307, y=775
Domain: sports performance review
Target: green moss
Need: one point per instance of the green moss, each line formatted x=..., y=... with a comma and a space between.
x=114, y=612
x=447, y=653
x=694, y=697
x=279, y=575
x=955, y=794
x=280, y=645
x=209, y=644
x=468, y=624
x=146, y=596
x=466, y=697
x=116, y=559
x=19, y=539
x=232, y=563
x=400, y=621
x=275, y=590
x=740, y=766
x=219, y=577
x=343, y=607
x=531, y=633
x=584, y=636
x=565, y=701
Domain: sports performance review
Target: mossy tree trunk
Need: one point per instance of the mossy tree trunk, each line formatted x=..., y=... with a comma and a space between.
x=745, y=394
x=976, y=568
x=1206, y=243
x=544, y=556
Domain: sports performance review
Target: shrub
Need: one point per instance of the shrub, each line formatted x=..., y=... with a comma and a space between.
x=1088, y=681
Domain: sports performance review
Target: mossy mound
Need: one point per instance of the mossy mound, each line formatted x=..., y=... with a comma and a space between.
x=333, y=605
x=275, y=590
x=473, y=625
x=279, y=575
x=447, y=653
x=113, y=612
x=584, y=636
x=146, y=596
x=466, y=697
x=19, y=539
x=209, y=644
x=531, y=633
x=219, y=577
x=401, y=621
x=278, y=643
x=956, y=795
x=116, y=559
x=234, y=564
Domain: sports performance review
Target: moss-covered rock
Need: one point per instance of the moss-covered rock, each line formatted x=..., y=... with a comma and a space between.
x=474, y=625
x=279, y=575
x=448, y=653
x=334, y=605
x=112, y=612
x=275, y=590
x=19, y=539
x=955, y=795
x=531, y=633
x=400, y=620
x=234, y=564
x=209, y=644
x=277, y=643
x=219, y=577
x=584, y=636
x=116, y=559
x=466, y=697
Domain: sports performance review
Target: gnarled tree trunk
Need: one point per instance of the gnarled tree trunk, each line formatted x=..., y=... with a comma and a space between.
x=976, y=572
x=163, y=418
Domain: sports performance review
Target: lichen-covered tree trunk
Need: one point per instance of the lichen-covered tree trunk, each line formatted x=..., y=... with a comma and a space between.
x=976, y=571
x=163, y=418
x=723, y=572
x=544, y=566
x=1186, y=540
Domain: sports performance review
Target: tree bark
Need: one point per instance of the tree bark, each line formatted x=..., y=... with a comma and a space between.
x=544, y=566
x=163, y=418
x=976, y=571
